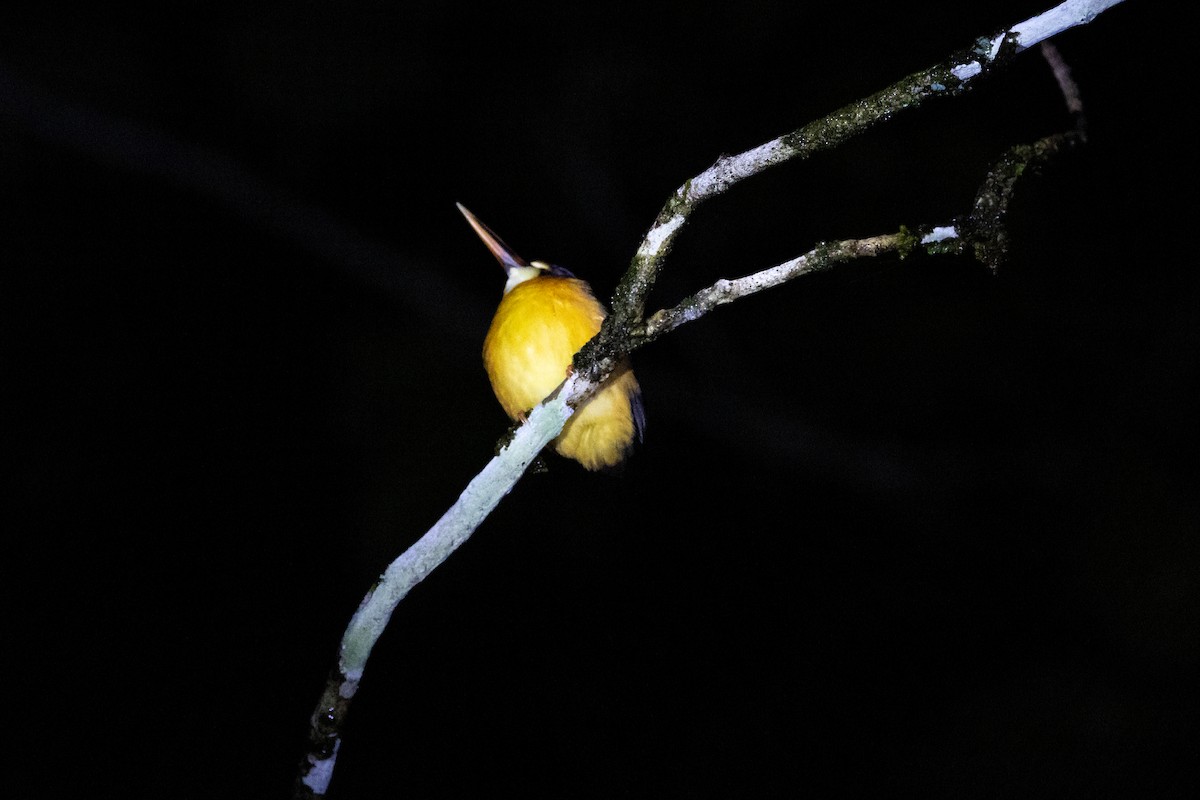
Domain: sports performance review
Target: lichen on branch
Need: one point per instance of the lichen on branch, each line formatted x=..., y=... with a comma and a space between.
x=979, y=232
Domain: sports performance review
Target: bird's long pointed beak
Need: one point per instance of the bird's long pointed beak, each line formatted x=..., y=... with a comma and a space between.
x=503, y=253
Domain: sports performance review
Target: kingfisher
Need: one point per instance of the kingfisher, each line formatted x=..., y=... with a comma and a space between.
x=545, y=316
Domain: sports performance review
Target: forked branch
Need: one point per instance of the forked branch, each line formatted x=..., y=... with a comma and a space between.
x=979, y=232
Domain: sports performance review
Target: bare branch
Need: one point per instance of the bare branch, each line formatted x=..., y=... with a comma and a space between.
x=953, y=76
x=624, y=330
x=726, y=291
x=1058, y=19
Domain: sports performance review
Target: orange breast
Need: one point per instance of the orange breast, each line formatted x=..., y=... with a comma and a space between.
x=539, y=326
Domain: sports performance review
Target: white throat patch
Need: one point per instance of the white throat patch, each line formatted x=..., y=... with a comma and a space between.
x=518, y=275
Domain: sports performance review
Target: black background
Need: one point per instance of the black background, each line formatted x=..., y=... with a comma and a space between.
x=899, y=528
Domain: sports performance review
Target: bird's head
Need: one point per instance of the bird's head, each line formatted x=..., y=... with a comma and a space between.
x=518, y=269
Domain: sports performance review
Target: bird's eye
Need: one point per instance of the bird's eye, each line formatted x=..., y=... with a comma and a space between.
x=552, y=269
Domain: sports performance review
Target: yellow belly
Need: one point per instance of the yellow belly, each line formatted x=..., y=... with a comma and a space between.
x=538, y=328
